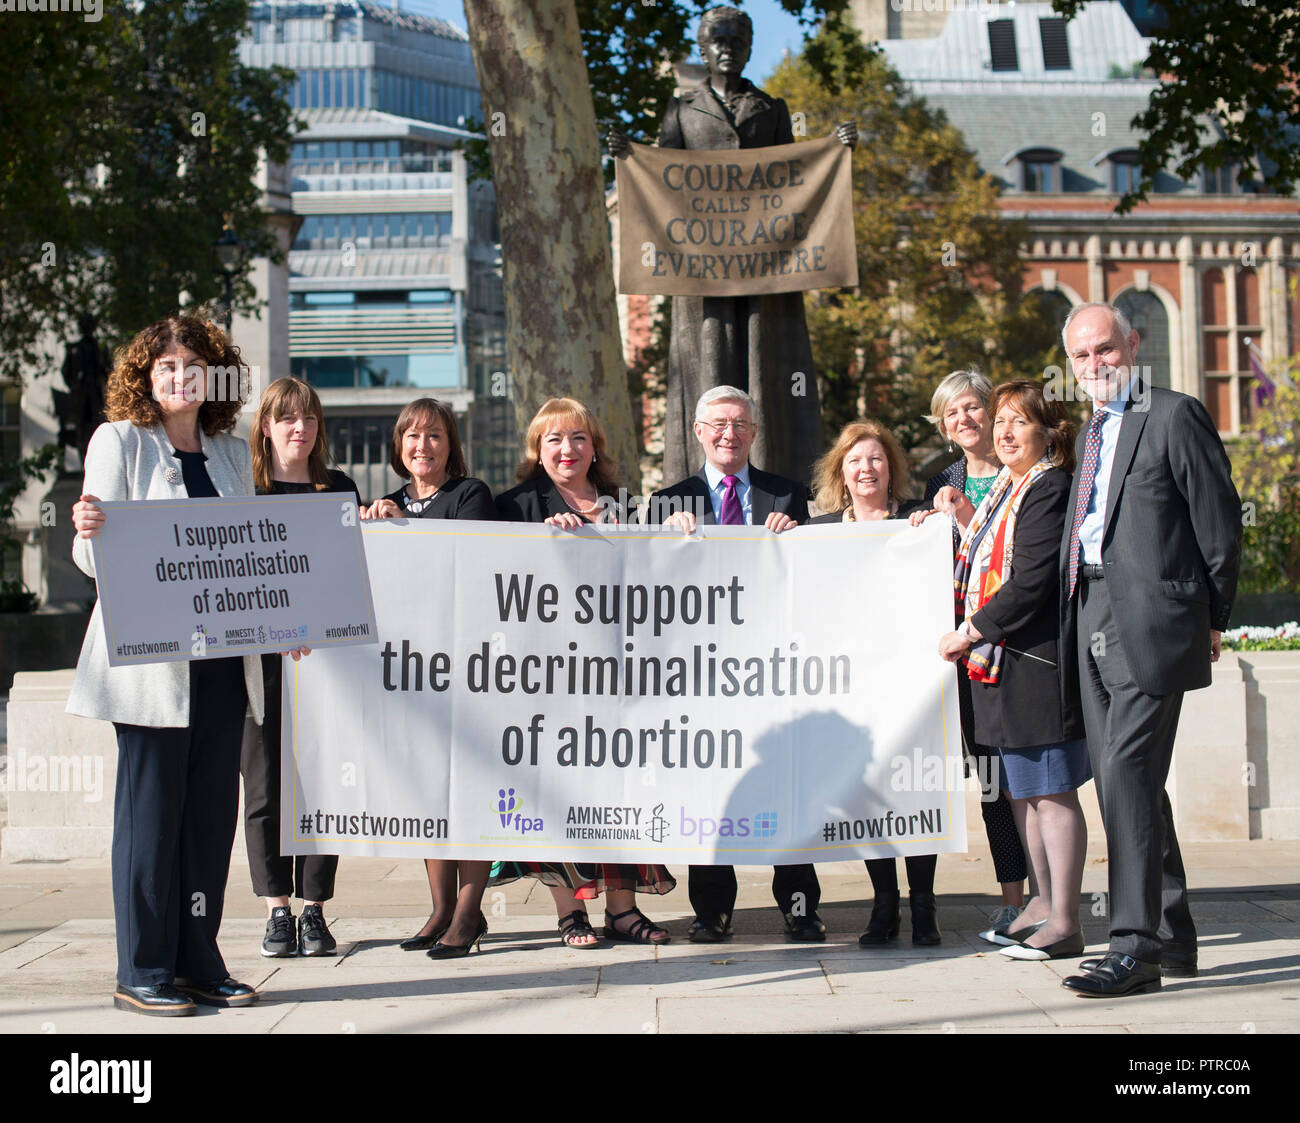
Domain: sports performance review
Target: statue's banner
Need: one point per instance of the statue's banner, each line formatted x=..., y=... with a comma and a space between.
x=635, y=695
x=181, y=579
x=732, y=222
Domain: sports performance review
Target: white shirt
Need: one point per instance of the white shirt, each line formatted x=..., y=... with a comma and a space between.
x=716, y=488
x=1090, y=531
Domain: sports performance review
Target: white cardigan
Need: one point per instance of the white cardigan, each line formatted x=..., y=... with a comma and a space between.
x=127, y=461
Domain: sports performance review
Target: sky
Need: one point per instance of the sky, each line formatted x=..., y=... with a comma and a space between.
x=774, y=31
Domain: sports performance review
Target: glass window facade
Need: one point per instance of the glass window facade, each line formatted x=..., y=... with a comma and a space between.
x=430, y=370
x=374, y=231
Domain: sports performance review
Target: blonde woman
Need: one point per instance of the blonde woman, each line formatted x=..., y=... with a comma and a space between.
x=864, y=478
x=567, y=481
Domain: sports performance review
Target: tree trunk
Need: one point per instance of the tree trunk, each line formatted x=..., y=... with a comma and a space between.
x=562, y=332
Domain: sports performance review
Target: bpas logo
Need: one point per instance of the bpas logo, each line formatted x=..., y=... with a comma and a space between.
x=279, y=635
x=761, y=824
x=509, y=808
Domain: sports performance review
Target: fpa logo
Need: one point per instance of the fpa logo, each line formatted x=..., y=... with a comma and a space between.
x=509, y=808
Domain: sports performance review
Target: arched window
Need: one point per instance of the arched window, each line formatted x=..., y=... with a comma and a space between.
x=1150, y=320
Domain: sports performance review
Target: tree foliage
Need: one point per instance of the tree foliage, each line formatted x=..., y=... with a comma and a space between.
x=939, y=269
x=1266, y=468
x=1235, y=63
x=124, y=146
x=122, y=149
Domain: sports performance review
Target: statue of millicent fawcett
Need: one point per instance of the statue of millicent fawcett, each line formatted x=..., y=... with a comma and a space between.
x=758, y=343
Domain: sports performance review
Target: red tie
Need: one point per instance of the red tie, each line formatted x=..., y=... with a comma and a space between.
x=1087, y=473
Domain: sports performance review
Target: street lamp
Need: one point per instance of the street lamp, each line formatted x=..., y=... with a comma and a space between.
x=229, y=252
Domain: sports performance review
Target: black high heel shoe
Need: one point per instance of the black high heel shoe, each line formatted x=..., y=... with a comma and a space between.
x=459, y=951
x=424, y=943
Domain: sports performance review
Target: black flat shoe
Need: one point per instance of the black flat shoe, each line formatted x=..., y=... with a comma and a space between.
x=162, y=1001
x=715, y=933
x=219, y=992
x=1114, y=977
x=805, y=929
x=1065, y=948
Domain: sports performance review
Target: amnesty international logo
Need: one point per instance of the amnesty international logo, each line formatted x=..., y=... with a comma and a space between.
x=657, y=830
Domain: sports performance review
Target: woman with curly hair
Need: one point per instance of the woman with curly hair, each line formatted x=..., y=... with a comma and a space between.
x=173, y=397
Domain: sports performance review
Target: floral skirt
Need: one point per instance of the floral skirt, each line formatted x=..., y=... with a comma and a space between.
x=587, y=881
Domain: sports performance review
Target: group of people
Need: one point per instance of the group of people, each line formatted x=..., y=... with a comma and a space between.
x=1093, y=573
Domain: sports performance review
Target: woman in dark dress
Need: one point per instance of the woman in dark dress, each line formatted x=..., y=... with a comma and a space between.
x=567, y=482
x=863, y=478
x=289, y=458
x=426, y=451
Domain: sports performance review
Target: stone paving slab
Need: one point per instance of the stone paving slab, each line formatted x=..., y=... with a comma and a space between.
x=1009, y=1012
x=57, y=961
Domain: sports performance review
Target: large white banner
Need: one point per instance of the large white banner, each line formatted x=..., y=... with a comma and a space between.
x=631, y=695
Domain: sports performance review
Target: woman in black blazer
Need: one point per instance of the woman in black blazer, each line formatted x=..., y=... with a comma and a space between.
x=861, y=479
x=959, y=411
x=426, y=451
x=290, y=457
x=568, y=482
x=1009, y=591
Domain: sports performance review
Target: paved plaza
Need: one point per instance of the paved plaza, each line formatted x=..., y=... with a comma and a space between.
x=57, y=961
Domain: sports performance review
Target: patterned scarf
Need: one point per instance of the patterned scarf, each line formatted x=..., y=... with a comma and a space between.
x=984, y=563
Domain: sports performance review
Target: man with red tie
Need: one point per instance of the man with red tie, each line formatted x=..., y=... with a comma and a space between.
x=1149, y=562
x=729, y=491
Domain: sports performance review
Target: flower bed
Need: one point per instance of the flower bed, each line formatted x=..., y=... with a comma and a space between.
x=1285, y=637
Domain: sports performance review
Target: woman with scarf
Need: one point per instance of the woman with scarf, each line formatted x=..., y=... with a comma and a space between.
x=1008, y=593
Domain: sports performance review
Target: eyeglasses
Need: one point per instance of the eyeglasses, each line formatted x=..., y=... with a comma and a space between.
x=739, y=428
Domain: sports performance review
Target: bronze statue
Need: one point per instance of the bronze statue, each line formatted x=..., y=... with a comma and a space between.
x=85, y=373
x=757, y=343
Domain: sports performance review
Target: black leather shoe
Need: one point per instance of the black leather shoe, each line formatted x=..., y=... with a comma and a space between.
x=925, y=919
x=219, y=992
x=162, y=1001
x=715, y=933
x=1173, y=964
x=1114, y=977
x=805, y=929
x=883, y=925
x=1178, y=961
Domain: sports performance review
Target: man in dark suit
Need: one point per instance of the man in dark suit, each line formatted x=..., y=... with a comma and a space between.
x=729, y=491
x=1149, y=565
